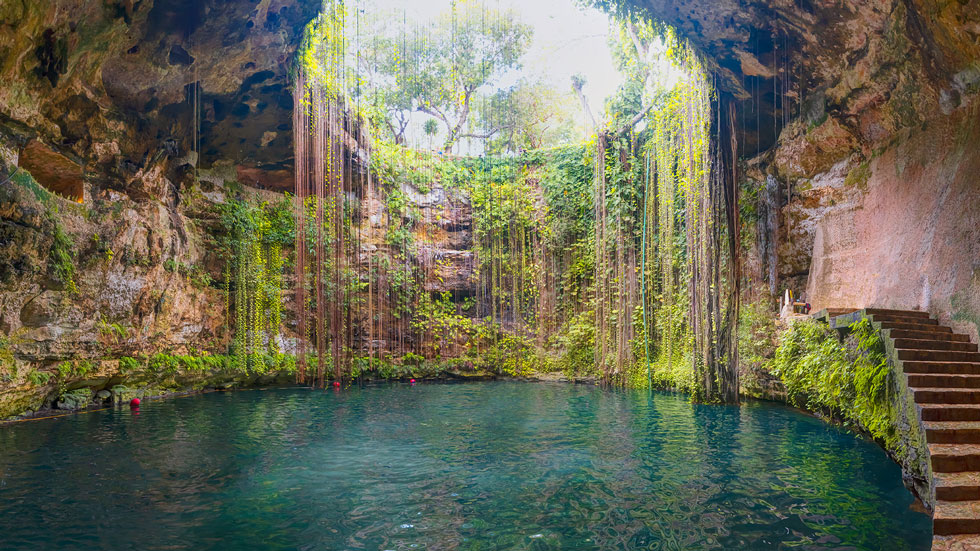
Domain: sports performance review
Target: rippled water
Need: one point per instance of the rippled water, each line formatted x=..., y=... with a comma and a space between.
x=476, y=466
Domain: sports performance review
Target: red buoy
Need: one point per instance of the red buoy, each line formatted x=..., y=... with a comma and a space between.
x=134, y=403
x=412, y=381
x=336, y=384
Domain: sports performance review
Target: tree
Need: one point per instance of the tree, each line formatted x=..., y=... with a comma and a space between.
x=578, y=83
x=440, y=69
x=528, y=115
x=639, y=51
x=389, y=93
x=470, y=47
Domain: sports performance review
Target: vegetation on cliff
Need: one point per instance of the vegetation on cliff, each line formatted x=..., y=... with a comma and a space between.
x=849, y=379
x=613, y=257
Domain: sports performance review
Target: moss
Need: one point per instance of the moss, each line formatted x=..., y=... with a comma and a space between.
x=8, y=364
x=62, y=252
x=817, y=123
x=24, y=179
x=163, y=365
x=75, y=369
x=858, y=176
x=38, y=378
x=75, y=399
x=849, y=381
x=966, y=302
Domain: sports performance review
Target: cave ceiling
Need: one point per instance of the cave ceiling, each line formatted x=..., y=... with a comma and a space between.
x=115, y=84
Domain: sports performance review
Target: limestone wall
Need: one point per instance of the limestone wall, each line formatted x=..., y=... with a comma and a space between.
x=899, y=230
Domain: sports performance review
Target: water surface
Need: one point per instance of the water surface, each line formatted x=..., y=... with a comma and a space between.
x=480, y=466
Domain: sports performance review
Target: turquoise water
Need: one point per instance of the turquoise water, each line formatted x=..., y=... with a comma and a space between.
x=476, y=466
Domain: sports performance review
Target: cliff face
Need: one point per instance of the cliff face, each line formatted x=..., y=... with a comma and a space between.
x=117, y=108
x=116, y=85
x=858, y=120
x=908, y=236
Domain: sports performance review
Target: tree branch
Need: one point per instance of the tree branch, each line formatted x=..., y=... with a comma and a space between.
x=635, y=120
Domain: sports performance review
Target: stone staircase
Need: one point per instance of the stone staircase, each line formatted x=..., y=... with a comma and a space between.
x=943, y=371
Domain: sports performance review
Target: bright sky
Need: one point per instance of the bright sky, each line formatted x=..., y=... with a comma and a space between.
x=568, y=39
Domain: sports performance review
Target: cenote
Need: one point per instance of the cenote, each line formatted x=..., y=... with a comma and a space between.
x=670, y=274
x=498, y=465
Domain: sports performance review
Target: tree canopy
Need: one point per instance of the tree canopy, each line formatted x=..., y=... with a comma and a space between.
x=441, y=69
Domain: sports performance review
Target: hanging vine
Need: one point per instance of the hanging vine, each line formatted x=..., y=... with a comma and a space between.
x=254, y=268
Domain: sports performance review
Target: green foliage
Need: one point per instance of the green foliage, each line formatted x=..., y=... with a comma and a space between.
x=195, y=274
x=63, y=254
x=8, y=364
x=24, y=179
x=529, y=115
x=74, y=369
x=127, y=365
x=167, y=365
x=557, y=232
x=38, y=378
x=437, y=318
x=467, y=49
x=512, y=355
x=756, y=346
x=75, y=399
x=576, y=346
x=821, y=373
x=255, y=234
x=112, y=332
x=410, y=365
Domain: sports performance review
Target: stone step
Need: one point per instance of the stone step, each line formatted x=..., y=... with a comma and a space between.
x=952, y=432
x=947, y=396
x=903, y=318
x=933, y=344
x=937, y=355
x=928, y=335
x=954, y=458
x=964, y=486
x=933, y=380
x=942, y=368
x=950, y=412
x=956, y=517
x=956, y=542
x=915, y=327
x=903, y=313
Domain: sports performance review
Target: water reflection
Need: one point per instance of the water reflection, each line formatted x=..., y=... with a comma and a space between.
x=449, y=467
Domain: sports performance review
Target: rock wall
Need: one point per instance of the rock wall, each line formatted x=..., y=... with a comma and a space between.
x=910, y=236
x=863, y=115
x=115, y=85
x=439, y=259
x=123, y=128
x=109, y=278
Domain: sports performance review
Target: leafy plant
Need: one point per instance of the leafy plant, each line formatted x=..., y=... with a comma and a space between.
x=822, y=373
x=112, y=332
x=38, y=378
x=63, y=254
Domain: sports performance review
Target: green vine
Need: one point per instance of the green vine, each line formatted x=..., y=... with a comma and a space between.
x=253, y=247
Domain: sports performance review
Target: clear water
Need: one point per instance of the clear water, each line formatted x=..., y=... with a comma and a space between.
x=476, y=466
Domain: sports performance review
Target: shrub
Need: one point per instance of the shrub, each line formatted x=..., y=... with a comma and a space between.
x=38, y=378
x=848, y=380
